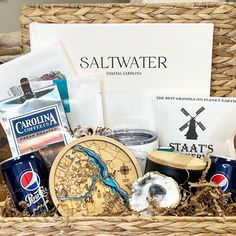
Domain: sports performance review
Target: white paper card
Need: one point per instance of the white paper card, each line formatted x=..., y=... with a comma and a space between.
x=87, y=102
x=165, y=58
x=128, y=111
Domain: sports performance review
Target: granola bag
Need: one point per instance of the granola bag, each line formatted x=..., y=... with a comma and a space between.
x=196, y=125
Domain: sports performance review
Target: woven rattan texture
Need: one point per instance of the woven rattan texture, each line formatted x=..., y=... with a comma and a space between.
x=223, y=15
x=118, y=226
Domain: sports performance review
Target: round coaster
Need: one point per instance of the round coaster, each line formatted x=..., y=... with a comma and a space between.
x=93, y=176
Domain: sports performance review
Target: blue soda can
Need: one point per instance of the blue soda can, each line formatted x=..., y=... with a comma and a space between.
x=223, y=172
x=26, y=177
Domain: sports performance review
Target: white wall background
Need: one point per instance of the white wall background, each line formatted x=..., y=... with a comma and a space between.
x=9, y=10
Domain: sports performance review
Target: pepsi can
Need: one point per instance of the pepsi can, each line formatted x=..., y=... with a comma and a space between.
x=223, y=172
x=27, y=180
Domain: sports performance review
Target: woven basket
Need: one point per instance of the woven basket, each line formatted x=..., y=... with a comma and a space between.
x=10, y=46
x=118, y=226
x=223, y=15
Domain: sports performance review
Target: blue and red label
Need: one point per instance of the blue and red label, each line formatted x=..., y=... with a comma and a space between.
x=221, y=180
x=30, y=181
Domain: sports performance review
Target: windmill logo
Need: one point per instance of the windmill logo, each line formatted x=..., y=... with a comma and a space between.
x=192, y=124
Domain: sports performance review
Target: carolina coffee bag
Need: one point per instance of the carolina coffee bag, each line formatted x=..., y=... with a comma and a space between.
x=35, y=121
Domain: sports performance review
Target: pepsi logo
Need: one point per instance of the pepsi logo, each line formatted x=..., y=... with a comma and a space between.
x=30, y=180
x=221, y=180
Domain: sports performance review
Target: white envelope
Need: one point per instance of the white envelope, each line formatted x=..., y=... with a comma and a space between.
x=86, y=102
x=128, y=111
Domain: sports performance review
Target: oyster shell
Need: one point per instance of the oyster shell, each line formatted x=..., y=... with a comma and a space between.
x=164, y=190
